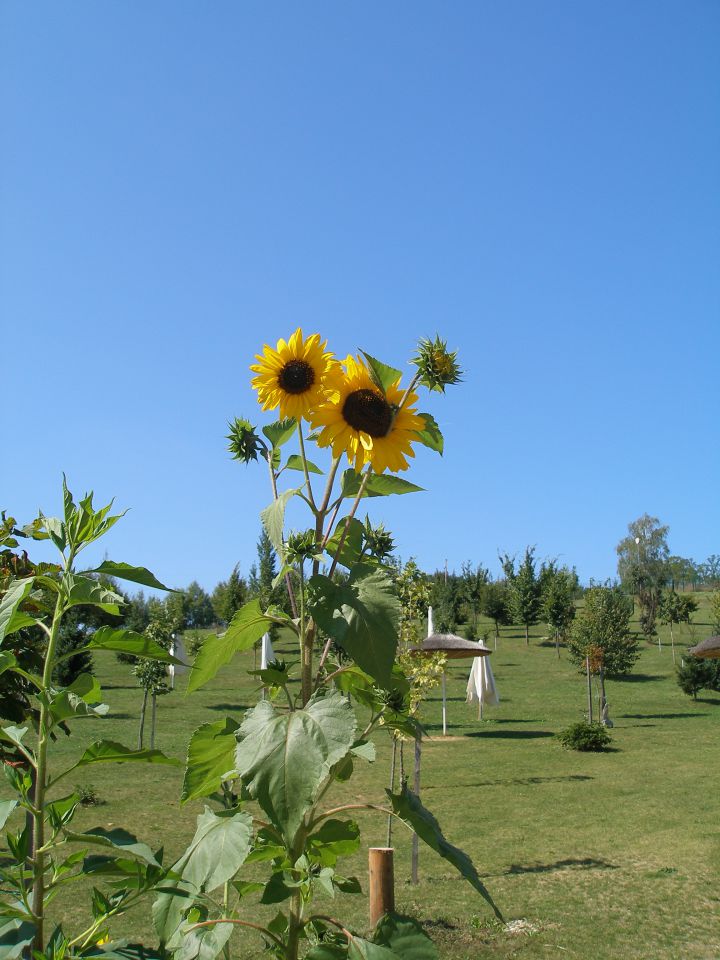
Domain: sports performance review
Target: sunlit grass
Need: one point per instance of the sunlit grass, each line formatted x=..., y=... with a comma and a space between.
x=600, y=855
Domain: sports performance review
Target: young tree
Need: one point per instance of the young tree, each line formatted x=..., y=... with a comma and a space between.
x=696, y=674
x=642, y=565
x=198, y=607
x=472, y=587
x=715, y=611
x=558, y=603
x=229, y=595
x=496, y=605
x=445, y=601
x=601, y=633
x=152, y=674
x=675, y=608
x=525, y=590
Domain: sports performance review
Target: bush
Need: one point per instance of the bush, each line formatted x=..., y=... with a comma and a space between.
x=585, y=736
x=698, y=674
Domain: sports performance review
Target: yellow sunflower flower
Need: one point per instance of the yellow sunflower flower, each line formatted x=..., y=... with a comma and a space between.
x=366, y=425
x=296, y=376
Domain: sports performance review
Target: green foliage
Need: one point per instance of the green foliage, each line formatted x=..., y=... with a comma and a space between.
x=525, y=590
x=698, y=673
x=715, y=611
x=642, y=565
x=229, y=595
x=585, y=737
x=601, y=631
x=558, y=604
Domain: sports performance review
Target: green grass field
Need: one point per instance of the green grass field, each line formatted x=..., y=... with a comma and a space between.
x=600, y=856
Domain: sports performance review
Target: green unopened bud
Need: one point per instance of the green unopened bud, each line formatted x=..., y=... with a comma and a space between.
x=301, y=547
x=244, y=442
x=437, y=365
x=378, y=540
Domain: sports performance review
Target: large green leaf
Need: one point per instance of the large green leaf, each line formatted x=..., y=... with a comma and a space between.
x=119, y=839
x=84, y=590
x=6, y=808
x=280, y=432
x=353, y=543
x=211, y=754
x=127, y=641
x=335, y=838
x=283, y=758
x=377, y=485
x=405, y=937
x=15, y=935
x=126, y=571
x=81, y=699
x=360, y=949
x=273, y=519
x=168, y=909
x=294, y=462
x=409, y=808
x=7, y=661
x=108, y=751
x=204, y=943
x=14, y=596
x=431, y=436
x=218, y=849
x=362, y=616
x=381, y=374
x=246, y=628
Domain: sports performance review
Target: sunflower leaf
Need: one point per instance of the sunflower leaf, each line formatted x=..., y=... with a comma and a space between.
x=431, y=436
x=280, y=432
x=381, y=374
x=295, y=463
x=273, y=519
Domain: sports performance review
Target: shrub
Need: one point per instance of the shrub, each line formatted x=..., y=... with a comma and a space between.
x=585, y=736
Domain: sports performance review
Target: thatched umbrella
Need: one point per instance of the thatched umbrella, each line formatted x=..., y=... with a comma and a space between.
x=454, y=648
x=707, y=650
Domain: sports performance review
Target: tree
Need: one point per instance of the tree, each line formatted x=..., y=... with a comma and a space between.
x=558, y=603
x=715, y=611
x=496, y=605
x=711, y=571
x=696, y=674
x=198, y=607
x=674, y=608
x=229, y=595
x=445, y=601
x=152, y=674
x=472, y=587
x=601, y=635
x=525, y=590
x=137, y=613
x=260, y=581
x=642, y=565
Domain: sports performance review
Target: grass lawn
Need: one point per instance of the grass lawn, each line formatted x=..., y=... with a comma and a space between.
x=595, y=855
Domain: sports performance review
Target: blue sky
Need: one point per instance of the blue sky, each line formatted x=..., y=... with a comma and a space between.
x=538, y=183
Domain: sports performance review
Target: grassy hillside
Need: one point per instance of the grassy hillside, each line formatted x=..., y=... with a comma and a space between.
x=594, y=856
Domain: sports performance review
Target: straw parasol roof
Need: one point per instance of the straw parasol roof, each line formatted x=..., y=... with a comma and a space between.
x=708, y=649
x=452, y=646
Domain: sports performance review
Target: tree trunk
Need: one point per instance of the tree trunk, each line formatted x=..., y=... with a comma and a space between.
x=672, y=642
x=414, y=878
x=153, y=716
x=527, y=635
x=589, y=690
x=557, y=643
x=497, y=634
x=142, y=719
x=602, y=698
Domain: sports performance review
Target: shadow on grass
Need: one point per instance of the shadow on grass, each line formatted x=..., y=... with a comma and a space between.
x=713, y=700
x=658, y=716
x=637, y=678
x=586, y=863
x=228, y=706
x=511, y=734
x=517, y=781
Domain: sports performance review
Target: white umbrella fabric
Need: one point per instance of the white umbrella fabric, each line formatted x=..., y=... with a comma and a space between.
x=481, y=687
x=267, y=654
x=177, y=649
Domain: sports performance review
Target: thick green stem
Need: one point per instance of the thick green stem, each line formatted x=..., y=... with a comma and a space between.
x=295, y=925
x=38, y=853
x=311, y=498
x=288, y=581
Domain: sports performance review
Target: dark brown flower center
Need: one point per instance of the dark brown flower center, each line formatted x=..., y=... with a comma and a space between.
x=296, y=376
x=368, y=411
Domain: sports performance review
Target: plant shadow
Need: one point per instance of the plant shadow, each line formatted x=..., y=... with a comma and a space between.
x=658, y=716
x=511, y=734
x=586, y=863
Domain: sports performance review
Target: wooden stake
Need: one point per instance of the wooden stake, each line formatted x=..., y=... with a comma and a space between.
x=414, y=872
x=381, y=882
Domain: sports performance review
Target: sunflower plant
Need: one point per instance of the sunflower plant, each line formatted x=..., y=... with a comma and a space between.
x=266, y=777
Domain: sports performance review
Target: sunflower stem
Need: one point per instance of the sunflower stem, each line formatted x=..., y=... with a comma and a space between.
x=305, y=468
x=403, y=399
x=288, y=581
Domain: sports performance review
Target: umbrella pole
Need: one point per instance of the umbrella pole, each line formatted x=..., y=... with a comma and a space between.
x=444, y=707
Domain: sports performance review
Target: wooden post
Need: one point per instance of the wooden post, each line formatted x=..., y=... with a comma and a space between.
x=444, y=704
x=589, y=690
x=381, y=882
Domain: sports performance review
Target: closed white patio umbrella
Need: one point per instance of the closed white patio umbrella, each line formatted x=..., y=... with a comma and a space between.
x=481, y=687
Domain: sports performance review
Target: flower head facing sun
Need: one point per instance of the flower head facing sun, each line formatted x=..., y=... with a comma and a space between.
x=295, y=376
x=369, y=427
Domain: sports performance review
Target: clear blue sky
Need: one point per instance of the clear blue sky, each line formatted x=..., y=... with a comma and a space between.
x=538, y=182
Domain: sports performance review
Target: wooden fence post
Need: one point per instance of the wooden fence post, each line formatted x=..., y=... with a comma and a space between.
x=381, y=882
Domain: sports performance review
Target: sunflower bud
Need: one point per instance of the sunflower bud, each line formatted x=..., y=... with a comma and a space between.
x=438, y=367
x=301, y=547
x=378, y=540
x=244, y=442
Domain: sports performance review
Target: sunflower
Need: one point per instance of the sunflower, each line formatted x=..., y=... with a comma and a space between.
x=296, y=376
x=366, y=425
